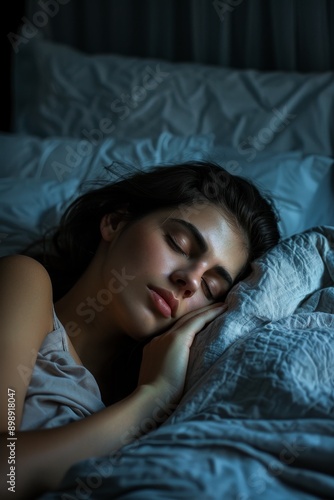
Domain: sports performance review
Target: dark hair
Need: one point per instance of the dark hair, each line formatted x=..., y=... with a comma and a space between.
x=77, y=236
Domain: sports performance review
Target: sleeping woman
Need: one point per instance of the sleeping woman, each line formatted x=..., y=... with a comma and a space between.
x=137, y=266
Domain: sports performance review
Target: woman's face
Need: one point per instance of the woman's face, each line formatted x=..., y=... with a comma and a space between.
x=167, y=264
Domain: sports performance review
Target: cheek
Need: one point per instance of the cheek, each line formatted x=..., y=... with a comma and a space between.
x=144, y=252
x=196, y=302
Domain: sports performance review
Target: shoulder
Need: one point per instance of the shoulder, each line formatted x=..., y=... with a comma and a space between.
x=26, y=317
x=21, y=262
x=26, y=283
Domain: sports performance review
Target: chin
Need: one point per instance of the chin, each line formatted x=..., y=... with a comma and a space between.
x=146, y=333
x=141, y=323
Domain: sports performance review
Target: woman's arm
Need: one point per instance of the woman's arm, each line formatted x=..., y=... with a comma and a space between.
x=43, y=456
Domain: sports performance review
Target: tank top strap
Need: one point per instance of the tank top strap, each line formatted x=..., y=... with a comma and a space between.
x=57, y=339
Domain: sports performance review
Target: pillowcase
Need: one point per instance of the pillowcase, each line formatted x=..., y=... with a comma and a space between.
x=59, y=91
x=301, y=186
x=40, y=177
x=28, y=207
x=62, y=158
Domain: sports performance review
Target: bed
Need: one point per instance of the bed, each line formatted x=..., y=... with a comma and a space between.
x=257, y=417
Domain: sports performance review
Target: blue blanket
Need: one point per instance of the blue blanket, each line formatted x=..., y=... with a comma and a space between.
x=257, y=420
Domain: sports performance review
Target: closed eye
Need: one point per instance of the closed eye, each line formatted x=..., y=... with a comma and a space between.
x=173, y=244
x=208, y=293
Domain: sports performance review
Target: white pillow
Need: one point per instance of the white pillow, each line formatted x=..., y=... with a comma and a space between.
x=59, y=91
x=41, y=176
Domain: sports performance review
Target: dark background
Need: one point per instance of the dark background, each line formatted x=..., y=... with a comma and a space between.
x=9, y=21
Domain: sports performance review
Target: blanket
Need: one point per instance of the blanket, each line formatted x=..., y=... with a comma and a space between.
x=257, y=418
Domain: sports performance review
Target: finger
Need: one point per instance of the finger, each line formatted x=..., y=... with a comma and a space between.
x=192, y=314
x=195, y=324
x=214, y=308
x=202, y=319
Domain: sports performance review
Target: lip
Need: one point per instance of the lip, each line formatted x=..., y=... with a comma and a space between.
x=164, y=300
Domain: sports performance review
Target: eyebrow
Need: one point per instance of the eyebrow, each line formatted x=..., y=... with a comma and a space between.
x=203, y=246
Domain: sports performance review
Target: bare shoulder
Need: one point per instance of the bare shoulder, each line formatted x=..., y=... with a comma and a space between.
x=21, y=263
x=25, y=320
x=24, y=284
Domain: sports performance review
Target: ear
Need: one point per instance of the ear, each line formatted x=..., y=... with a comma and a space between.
x=111, y=224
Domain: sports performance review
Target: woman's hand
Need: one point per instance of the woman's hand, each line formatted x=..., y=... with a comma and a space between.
x=165, y=357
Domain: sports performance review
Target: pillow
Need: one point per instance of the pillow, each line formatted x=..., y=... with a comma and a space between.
x=59, y=91
x=28, y=207
x=41, y=176
x=301, y=186
x=62, y=158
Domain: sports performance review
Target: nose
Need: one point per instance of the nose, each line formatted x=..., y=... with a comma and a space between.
x=187, y=281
